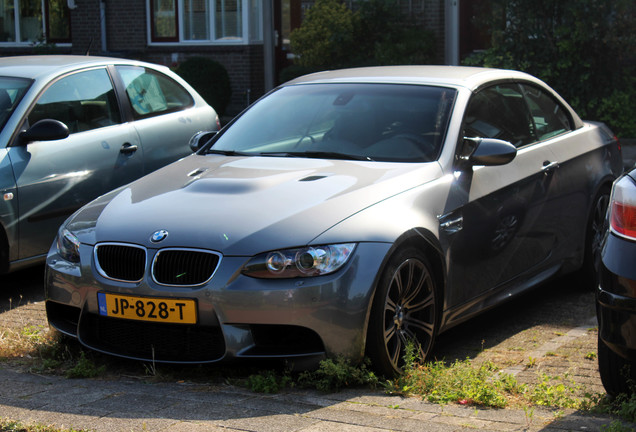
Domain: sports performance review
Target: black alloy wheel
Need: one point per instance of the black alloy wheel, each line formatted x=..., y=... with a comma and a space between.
x=405, y=310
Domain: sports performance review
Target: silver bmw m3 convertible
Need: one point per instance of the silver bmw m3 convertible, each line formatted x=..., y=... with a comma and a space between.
x=344, y=213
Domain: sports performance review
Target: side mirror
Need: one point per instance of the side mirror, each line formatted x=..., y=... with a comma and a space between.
x=44, y=130
x=200, y=139
x=490, y=152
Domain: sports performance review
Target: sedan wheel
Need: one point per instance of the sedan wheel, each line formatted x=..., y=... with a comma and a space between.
x=617, y=374
x=404, y=311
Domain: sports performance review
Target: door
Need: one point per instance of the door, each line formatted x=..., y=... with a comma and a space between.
x=55, y=178
x=506, y=231
x=164, y=114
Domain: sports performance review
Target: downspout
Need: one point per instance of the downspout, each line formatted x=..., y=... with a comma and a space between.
x=268, y=44
x=102, y=19
x=451, y=54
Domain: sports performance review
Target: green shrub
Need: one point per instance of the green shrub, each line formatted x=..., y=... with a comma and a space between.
x=374, y=32
x=210, y=79
x=585, y=49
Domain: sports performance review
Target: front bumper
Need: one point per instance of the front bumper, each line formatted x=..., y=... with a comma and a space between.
x=616, y=296
x=238, y=316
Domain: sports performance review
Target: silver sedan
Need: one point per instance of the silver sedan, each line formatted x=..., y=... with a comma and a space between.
x=345, y=213
x=76, y=127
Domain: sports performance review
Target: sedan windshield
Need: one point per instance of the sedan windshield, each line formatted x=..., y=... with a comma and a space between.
x=11, y=92
x=379, y=122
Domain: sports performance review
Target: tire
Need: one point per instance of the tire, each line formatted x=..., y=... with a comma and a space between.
x=596, y=227
x=405, y=308
x=615, y=371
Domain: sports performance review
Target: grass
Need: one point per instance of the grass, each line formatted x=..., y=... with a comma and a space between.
x=16, y=426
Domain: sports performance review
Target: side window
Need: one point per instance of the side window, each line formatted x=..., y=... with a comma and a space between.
x=83, y=101
x=549, y=117
x=499, y=112
x=151, y=93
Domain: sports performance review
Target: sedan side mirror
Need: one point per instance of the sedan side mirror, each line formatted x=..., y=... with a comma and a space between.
x=200, y=139
x=44, y=130
x=490, y=152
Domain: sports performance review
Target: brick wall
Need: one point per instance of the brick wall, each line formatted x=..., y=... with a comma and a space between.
x=85, y=27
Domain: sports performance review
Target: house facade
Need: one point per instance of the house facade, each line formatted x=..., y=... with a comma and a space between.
x=249, y=37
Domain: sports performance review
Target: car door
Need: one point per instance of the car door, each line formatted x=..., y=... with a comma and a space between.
x=55, y=178
x=496, y=223
x=165, y=115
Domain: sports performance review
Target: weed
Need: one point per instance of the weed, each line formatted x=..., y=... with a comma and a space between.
x=529, y=413
x=332, y=375
x=532, y=362
x=556, y=392
x=458, y=383
x=268, y=382
x=16, y=426
x=616, y=426
x=590, y=356
x=85, y=368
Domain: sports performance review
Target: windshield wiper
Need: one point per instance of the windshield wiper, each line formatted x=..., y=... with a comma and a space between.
x=228, y=152
x=318, y=155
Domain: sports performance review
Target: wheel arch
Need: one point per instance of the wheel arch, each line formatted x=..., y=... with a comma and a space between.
x=428, y=243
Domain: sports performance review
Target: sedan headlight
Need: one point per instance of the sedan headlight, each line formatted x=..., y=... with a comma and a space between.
x=68, y=246
x=301, y=262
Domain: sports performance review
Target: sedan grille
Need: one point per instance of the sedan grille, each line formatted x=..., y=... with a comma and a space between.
x=121, y=262
x=184, y=267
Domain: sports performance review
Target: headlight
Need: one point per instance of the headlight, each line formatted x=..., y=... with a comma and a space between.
x=68, y=246
x=301, y=262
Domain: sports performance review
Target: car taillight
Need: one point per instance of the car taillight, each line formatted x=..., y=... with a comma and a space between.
x=622, y=208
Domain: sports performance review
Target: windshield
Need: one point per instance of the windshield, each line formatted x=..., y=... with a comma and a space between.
x=380, y=122
x=11, y=92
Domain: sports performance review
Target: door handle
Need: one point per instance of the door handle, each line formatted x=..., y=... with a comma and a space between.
x=549, y=167
x=128, y=149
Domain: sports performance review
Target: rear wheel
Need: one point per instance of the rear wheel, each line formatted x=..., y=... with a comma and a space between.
x=616, y=372
x=589, y=274
x=405, y=310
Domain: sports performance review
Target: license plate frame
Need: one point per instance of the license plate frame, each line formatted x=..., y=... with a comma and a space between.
x=148, y=308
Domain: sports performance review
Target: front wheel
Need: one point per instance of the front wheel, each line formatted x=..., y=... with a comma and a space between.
x=405, y=310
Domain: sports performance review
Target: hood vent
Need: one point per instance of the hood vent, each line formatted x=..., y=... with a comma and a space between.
x=313, y=178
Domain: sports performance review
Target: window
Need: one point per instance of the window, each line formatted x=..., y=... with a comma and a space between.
x=164, y=20
x=82, y=101
x=199, y=20
x=35, y=20
x=499, y=112
x=549, y=117
x=11, y=92
x=151, y=93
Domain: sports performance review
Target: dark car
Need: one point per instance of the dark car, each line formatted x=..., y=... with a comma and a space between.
x=616, y=295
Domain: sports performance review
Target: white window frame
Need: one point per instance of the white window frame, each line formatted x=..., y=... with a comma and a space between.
x=18, y=29
x=245, y=39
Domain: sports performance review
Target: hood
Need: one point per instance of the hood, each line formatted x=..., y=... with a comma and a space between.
x=243, y=205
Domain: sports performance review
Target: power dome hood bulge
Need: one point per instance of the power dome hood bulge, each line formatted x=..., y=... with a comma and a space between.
x=244, y=205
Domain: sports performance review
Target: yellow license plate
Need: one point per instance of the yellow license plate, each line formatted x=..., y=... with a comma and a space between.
x=168, y=310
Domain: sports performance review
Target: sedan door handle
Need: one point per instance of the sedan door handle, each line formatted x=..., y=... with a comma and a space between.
x=549, y=167
x=128, y=148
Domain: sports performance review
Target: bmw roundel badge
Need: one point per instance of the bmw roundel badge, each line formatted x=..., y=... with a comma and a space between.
x=158, y=236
